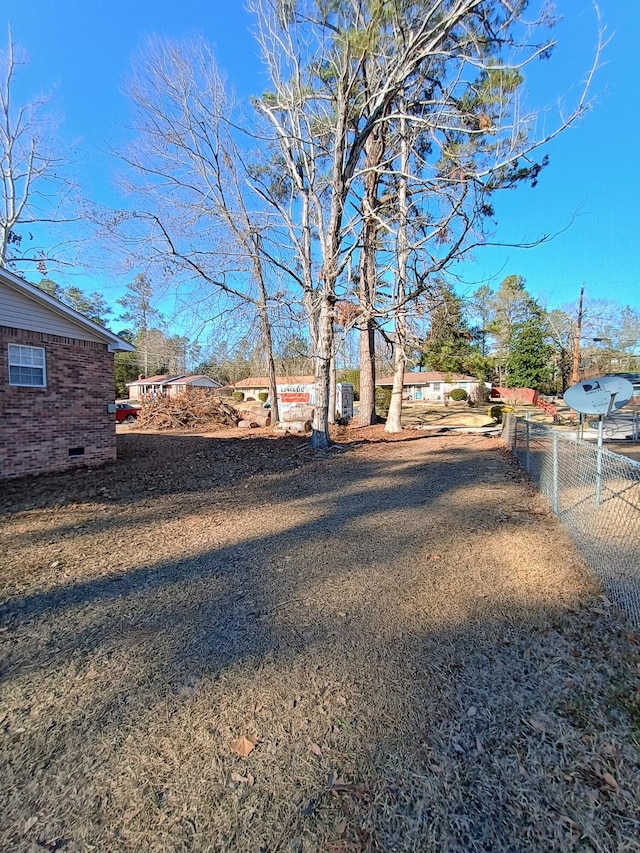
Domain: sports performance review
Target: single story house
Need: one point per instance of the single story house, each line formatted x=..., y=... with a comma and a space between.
x=167, y=385
x=57, y=384
x=431, y=387
x=150, y=387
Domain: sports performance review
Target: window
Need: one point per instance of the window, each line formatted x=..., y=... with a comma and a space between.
x=436, y=386
x=27, y=366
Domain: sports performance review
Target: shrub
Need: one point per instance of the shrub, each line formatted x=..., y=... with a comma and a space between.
x=496, y=412
x=237, y=396
x=383, y=401
x=458, y=394
x=480, y=395
x=262, y=396
x=225, y=392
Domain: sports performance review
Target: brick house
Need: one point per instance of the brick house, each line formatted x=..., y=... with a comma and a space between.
x=166, y=385
x=149, y=387
x=56, y=383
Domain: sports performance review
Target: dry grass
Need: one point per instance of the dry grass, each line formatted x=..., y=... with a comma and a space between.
x=401, y=628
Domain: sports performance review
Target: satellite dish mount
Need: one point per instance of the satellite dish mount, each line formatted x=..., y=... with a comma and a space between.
x=599, y=396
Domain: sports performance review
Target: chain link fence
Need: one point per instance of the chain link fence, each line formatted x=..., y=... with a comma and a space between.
x=596, y=494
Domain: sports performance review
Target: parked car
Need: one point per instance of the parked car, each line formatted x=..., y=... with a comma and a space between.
x=126, y=413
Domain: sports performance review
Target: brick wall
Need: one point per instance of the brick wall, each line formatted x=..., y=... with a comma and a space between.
x=524, y=395
x=39, y=426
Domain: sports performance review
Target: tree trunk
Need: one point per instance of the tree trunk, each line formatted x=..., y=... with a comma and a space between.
x=320, y=436
x=394, y=417
x=332, y=381
x=374, y=151
x=367, y=406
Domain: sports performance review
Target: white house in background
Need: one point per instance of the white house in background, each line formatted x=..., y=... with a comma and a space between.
x=167, y=385
x=431, y=387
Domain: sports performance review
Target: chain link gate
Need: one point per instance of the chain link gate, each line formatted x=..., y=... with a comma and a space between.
x=596, y=495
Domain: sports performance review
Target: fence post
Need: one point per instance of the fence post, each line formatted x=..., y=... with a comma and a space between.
x=599, y=461
x=636, y=419
x=527, y=437
x=554, y=485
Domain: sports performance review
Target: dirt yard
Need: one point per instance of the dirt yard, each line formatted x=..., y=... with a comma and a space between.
x=399, y=635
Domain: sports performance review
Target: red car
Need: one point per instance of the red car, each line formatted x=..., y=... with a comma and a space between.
x=125, y=413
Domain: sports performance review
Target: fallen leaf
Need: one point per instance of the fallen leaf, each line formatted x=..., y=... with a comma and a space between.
x=538, y=726
x=242, y=746
x=571, y=823
x=29, y=823
x=472, y=711
x=609, y=779
x=129, y=815
x=436, y=768
x=315, y=749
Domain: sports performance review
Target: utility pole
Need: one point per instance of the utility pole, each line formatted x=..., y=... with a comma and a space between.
x=575, y=373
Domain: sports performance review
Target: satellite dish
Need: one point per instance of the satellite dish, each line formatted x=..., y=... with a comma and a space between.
x=599, y=396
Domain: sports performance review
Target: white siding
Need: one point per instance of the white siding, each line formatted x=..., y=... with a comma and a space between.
x=20, y=312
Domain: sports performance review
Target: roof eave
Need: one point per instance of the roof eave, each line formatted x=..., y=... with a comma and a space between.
x=114, y=342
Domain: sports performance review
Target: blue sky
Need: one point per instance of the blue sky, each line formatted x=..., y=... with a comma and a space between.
x=80, y=51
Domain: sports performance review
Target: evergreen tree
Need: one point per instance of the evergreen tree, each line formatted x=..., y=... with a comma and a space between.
x=528, y=365
x=448, y=345
x=93, y=305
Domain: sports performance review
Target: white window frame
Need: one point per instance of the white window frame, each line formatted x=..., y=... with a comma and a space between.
x=17, y=357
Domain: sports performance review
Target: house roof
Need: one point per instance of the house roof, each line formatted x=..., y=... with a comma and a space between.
x=423, y=378
x=187, y=380
x=160, y=379
x=263, y=381
x=17, y=283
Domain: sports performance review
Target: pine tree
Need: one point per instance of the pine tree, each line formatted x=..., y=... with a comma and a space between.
x=448, y=345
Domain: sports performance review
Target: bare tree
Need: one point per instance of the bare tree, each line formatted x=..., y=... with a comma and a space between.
x=459, y=64
x=470, y=137
x=193, y=217
x=394, y=420
x=314, y=54
x=35, y=191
